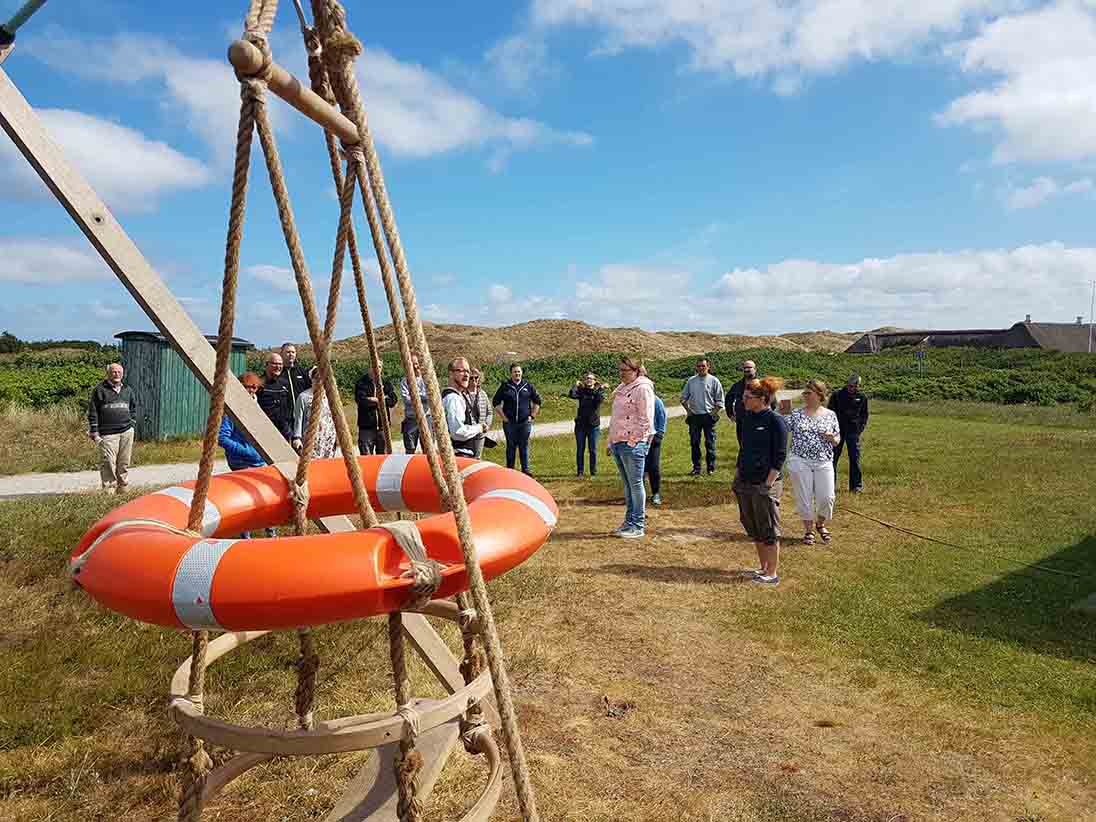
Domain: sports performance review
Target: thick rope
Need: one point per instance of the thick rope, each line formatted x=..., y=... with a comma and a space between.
x=307, y=666
x=196, y=763
x=340, y=48
x=408, y=761
x=474, y=729
x=317, y=75
x=425, y=573
x=404, y=346
x=304, y=288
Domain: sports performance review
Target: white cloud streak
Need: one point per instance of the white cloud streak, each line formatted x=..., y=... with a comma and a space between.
x=44, y=262
x=417, y=113
x=1042, y=105
x=130, y=171
x=935, y=290
x=754, y=38
x=1042, y=189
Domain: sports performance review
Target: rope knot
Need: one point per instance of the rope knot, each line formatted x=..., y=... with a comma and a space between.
x=312, y=43
x=257, y=38
x=342, y=47
x=353, y=153
x=412, y=720
x=469, y=621
x=300, y=493
x=425, y=579
x=475, y=733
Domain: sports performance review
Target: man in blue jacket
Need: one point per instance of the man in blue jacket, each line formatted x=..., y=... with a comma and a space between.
x=517, y=403
x=239, y=452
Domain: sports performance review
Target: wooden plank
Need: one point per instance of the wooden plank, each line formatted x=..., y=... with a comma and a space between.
x=5, y=52
x=119, y=252
x=373, y=795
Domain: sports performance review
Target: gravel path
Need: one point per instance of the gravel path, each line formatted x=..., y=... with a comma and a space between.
x=29, y=485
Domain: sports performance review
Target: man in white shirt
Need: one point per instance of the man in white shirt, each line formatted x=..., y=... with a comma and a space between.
x=702, y=398
x=463, y=430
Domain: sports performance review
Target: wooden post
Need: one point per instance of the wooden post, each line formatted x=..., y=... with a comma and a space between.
x=5, y=51
x=248, y=61
x=119, y=252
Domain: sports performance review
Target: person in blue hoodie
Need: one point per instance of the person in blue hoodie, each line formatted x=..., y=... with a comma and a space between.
x=652, y=467
x=239, y=452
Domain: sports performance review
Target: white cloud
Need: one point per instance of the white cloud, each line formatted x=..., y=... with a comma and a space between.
x=44, y=262
x=412, y=111
x=203, y=93
x=415, y=112
x=276, y=276
x=129, y=171
x=1043, y=104
x=1041, y=189
x=762, y=37
x=519, y=61
x=979, y=288
x=499, y=294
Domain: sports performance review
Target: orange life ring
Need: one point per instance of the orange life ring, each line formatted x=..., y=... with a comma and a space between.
x=137, y=560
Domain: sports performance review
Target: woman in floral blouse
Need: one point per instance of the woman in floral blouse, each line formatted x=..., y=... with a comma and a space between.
x=810, y=464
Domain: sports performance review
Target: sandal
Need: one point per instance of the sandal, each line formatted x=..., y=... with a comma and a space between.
x=808, y=538
x=824, y=533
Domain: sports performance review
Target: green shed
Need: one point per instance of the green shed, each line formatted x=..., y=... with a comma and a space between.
x=170, y=400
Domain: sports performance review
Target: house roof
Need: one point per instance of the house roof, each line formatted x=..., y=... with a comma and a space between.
x=153, y=336
x=1069, y=337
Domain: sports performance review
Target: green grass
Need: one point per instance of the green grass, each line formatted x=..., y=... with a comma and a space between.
x=877, y=612
x=1010, y=488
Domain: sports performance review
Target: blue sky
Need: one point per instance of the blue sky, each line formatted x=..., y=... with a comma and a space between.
x=741, y=166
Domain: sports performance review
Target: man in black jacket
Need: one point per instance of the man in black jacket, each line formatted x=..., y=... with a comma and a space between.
x=274, y=397
x=111, y=418
x=851, y=407
x=735, y=404
x=295, y=376
x=517, y=403
x=365, y=393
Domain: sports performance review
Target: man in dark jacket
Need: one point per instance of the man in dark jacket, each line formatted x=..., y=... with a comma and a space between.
x=295, y=375
x=851, y=407
x=111, y=418
x=274, y=397
x=518, y=403
x=365, y=393
x=736, y=408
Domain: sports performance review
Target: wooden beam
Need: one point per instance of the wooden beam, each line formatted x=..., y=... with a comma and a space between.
x=5, y=51
x=91, y=215
x=248, y=61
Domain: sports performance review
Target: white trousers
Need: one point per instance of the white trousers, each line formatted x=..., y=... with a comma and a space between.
x=813, y=486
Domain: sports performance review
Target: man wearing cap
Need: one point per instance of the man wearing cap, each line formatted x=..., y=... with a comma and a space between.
x=851, y=407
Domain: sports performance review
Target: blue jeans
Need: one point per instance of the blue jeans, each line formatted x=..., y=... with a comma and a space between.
x=586, y=438
x=630, y=462
x=517, y=440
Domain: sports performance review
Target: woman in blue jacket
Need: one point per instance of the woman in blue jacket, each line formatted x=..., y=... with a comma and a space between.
x=239, y=452
x=653, y=466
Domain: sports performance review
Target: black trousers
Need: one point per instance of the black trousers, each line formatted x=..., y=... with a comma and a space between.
x=702, y=423
x=852, y=440
x=652, y=467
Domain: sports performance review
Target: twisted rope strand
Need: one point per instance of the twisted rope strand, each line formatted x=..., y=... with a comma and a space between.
x=331, y=22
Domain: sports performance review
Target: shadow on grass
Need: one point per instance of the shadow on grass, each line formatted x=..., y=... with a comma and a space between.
x=676, y=573
x=1031, y=608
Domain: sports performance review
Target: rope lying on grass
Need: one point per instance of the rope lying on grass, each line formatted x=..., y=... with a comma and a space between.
x=908, y=532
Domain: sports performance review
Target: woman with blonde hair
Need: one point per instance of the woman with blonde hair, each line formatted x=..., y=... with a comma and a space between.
x=757, y=487
x=815, y=432
x=326, y=443
x=631, y=429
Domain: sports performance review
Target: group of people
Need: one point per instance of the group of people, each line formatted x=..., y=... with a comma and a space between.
x=819, y=430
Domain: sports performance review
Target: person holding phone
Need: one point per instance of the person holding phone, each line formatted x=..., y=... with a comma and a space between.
x=590, y=395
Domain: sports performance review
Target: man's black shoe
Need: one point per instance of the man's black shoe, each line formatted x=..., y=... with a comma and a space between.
x=696, y=472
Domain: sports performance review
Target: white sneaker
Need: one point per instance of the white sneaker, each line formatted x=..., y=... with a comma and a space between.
x=632, y=533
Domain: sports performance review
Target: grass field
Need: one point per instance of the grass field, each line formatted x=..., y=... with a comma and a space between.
x=887, y=678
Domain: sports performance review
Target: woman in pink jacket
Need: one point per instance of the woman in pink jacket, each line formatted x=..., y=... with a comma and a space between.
x=631, y=428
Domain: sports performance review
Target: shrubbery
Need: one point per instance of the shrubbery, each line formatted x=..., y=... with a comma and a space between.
x=996, y=376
